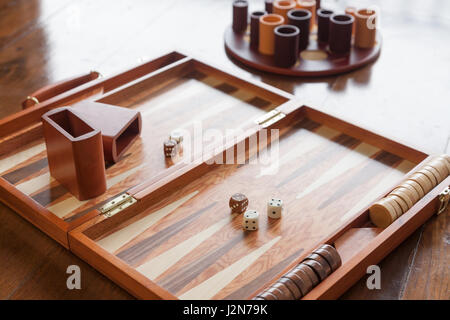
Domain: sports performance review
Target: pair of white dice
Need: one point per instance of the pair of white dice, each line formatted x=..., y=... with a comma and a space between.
x=251, y=217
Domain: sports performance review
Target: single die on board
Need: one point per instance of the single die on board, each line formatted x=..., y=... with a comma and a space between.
x=170, y=148
x=177, y=136
x=275, y=208
x=250, y=220
x=238, y=203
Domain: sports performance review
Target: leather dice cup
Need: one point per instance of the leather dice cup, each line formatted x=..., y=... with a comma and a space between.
x=80, y=139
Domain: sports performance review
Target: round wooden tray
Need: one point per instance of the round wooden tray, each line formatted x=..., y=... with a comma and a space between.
x=315, y=61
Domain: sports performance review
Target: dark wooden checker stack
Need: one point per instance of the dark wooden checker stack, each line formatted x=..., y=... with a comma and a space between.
x=299, y=281
x=331, y=171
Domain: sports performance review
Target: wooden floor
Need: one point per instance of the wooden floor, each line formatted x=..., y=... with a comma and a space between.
x=404, y=95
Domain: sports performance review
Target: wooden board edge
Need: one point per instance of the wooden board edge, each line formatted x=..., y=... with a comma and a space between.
x=378, y=248
x=34, y=213
x=115, y=269
x=360, y=220
x=391, y=237
x=385, y=143
x=31, y=116
x=260, y=87
x=130, y=74
x=170, y=71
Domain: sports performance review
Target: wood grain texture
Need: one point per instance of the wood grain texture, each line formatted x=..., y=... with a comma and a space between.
x=35, y=52
x=220, y=264
x=184, y=93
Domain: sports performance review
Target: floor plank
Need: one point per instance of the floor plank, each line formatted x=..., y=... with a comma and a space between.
x=429, y=275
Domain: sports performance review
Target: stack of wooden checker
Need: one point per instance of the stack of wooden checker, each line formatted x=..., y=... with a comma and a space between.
x=404, y=196
x=304, y=277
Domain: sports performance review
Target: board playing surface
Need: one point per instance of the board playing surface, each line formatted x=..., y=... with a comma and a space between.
x=176, y=103
x=192, y=246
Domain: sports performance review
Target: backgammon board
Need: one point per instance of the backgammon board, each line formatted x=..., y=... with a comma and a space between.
x=173, y=236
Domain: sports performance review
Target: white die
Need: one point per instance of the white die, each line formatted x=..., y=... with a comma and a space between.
x=275, y=208
x=250, y=220
x=177, y=135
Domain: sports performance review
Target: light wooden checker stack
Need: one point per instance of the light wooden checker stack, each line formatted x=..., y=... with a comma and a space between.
x=404, y=196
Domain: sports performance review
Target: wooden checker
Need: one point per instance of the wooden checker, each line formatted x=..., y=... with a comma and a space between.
x=413, y=193
x=280, y=294
x=410, y=191
x=286, y=293
x=268, y=296
x=402, y=203
x=382, y=213
x=441, y=166
x=446, y=159
x=422, y=180
x=323, y=262
x=417, y=187
x=435, y=172
x=293, y=288
x=301, y=280
x=431, y=173
x=318, y=268
x=329, y=257
x=336, y=258
x=392, y=201
x=405, y=194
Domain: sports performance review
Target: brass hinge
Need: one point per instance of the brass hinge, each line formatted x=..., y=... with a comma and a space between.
x=270, y=118
x=117, y=204
x=444, y=198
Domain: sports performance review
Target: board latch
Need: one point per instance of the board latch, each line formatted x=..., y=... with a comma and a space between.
x=444, y=199
x=117, y=204
x=270, y=118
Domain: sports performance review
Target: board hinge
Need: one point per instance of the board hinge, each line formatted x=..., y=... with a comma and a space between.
x=270, y=118
x=117, y=204
x=444, y=199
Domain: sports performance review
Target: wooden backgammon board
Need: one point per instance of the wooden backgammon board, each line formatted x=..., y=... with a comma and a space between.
x=163, y=229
